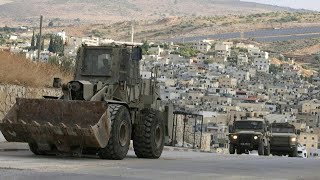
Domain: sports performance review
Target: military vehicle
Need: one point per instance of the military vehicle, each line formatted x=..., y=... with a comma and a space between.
x=249, y=134
x=283, y=139
x=105, y=107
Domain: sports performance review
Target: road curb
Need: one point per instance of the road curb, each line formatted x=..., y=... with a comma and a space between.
x=178, y=149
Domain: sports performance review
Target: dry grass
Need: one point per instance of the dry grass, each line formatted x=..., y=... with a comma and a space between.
x=20, y=71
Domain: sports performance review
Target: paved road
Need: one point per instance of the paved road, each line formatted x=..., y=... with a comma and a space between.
x=262, y=35
x=23, y=165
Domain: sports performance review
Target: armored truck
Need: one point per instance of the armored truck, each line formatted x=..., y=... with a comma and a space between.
x=284, y=139
x=249, y=134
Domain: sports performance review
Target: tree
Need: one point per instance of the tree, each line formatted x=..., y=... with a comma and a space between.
x=33, y=41
x=188, y=52
x=37, y=41
x=145, y=47
x=50, y=49
x=2, y=41
x=208, y=61
x=50, y=24
x=42, y=44
x=56, y=45
x=274, y=69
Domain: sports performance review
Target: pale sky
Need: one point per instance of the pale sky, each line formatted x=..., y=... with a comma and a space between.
x=299, y=4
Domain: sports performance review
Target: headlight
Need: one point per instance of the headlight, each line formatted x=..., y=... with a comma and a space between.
x=235, y=137
x=293, y=139
x=255, y=137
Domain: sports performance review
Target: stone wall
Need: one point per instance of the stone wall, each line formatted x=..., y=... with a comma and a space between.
x=9, y=93
x=189, y=135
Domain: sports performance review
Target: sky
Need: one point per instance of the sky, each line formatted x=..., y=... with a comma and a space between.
x=299, y=4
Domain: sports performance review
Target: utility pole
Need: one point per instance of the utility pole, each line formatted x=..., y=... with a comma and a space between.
x=40, y=38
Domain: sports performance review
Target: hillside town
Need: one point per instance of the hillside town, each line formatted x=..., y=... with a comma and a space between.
x=222, y=81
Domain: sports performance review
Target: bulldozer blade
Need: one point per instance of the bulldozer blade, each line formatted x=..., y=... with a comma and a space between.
x=58, y=123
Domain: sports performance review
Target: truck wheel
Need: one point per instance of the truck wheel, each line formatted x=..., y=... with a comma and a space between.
x=148, y=135
x=34, y=149
x=261, y=149
x=239, y=150
x=232, y=150
x=120, y=134
x=267, y=150
x=294, y=153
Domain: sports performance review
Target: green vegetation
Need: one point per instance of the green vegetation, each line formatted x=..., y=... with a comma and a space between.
x=187, y=51
x=145, y=47
x=208, y=61
x=2, y=41
x=64, y=63
x=56, y=45
x=274, y=69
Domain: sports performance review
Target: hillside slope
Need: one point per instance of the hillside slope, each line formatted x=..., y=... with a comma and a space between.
x=94, y=11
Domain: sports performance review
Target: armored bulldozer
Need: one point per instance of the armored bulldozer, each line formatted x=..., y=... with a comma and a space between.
x=249, y=134
x=105, y=107
x=284, y=139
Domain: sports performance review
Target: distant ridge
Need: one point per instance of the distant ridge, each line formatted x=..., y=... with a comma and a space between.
x=95, y=11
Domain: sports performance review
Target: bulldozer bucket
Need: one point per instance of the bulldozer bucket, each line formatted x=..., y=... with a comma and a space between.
x=61, y=124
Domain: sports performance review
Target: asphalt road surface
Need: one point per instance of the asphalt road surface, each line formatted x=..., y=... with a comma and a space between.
x=23, y=165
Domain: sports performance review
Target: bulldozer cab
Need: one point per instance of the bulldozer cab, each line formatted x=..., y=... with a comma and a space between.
x=108, y=64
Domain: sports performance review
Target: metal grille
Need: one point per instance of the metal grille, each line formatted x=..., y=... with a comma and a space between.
x=245, y=138
x=280, y=141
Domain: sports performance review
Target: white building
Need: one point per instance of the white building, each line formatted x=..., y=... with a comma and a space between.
x=261, y=64
x=177, y=59
x=242, y=59
x=222, y=49
x=63, y=35
x=202, y=46
x=241, y=75
x=145, y=74
x=260, y=54
x=156, y=50
x=91, y=41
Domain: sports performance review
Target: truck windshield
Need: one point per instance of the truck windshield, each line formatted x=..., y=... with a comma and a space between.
x=249, y=125
x=96, y=62
x=282, y=130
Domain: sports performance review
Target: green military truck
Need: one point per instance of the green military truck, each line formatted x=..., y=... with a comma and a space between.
x=249, y=134
x=284, y=139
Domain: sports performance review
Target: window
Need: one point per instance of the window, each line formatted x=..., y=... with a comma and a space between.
x=312, y=138
x=97, y=62
x=304, y=137
x=312, y=145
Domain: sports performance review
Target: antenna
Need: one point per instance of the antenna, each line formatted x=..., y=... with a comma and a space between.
x=132, y=32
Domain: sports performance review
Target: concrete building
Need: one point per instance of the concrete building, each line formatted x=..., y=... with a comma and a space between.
x=242, y=59
x=309, y=140
x=309, y=106
x=227, y=82
x=241, y=75
x=202, y=46
x=261, y=64
x=260, y=54
x=222, y=50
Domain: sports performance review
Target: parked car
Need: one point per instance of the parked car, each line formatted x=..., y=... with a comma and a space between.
x=302, y=151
